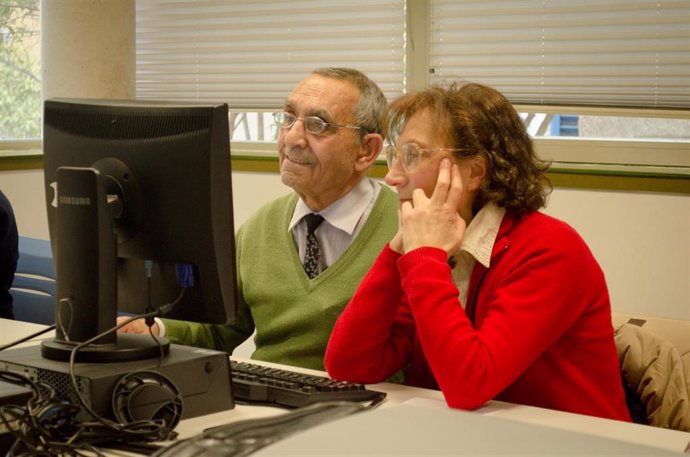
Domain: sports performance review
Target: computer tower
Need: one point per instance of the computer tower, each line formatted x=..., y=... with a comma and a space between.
x=197, y=378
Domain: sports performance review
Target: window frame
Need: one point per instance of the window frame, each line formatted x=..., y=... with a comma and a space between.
x=623, y=158
x=613, y=158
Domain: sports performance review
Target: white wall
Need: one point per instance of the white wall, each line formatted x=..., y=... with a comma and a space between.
x=24, y=189
x=640, y=239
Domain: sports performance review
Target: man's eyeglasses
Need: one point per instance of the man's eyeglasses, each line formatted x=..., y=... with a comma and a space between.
x=410, y=155
x=312, y=124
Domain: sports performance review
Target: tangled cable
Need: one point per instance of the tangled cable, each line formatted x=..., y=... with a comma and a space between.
x=47, y=425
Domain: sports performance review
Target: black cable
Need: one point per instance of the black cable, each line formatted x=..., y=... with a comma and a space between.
x=137, y=448
x=149, y=430
x=376, y=401
x=38, y=426
x=47, y=425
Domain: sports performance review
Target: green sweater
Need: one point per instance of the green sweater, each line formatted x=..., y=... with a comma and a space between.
x=293, y=316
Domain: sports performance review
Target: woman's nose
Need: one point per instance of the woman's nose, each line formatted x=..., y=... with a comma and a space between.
x=396, y=176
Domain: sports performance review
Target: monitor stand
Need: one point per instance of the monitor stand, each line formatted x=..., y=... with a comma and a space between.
x=90, y=202
x=128, y=347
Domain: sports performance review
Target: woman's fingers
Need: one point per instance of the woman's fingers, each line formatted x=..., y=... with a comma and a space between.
x=419, y=198
x=442, y=182
x=456, y=187
x=434, y=221
x=405, y=209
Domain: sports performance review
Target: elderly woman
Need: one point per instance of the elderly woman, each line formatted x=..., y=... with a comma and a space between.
x=479, y=294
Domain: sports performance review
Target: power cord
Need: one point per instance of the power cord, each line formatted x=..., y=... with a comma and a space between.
x=38, y=426
x=146, y=430
x=47, y=425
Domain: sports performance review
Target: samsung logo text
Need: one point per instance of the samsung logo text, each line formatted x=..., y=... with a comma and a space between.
x=74, y=201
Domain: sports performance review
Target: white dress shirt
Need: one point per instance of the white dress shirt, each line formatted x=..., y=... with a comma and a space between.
x=343, y=220
x=477, y=244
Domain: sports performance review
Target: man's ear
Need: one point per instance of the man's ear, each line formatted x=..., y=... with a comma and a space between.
x=479, y=169
x=371, y=147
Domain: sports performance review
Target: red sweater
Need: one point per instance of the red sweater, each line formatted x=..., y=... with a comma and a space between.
x=536, y=329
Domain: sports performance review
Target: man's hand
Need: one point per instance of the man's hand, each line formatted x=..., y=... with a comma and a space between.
x=435, y=221
x=137, y=326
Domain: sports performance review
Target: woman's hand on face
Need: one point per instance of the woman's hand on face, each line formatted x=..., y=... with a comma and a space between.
x=435, y=221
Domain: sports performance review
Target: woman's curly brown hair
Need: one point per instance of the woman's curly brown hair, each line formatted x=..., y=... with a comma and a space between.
x=480, y=120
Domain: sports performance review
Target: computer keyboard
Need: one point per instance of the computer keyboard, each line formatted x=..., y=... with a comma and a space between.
x=253, y=383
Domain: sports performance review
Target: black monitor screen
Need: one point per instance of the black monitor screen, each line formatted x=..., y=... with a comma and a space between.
x=139, y=202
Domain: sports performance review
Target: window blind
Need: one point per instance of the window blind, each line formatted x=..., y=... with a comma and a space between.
x=251, y=53
x=583, y=52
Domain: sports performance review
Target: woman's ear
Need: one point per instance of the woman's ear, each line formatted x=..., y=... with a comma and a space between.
x=479, y=169
x=370, y=150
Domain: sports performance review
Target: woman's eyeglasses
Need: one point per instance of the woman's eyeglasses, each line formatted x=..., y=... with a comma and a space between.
x=411, y=155
x=312, y=124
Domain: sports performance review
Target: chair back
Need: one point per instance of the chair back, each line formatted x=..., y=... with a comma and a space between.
x=33, y=289
x=654, y=353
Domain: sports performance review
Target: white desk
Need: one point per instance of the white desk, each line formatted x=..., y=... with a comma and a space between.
x=424, y=399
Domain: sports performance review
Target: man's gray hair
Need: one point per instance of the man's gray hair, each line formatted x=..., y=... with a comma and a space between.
x=371, y=105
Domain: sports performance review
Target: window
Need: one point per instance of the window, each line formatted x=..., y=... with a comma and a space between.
x=598, y=71
x=602, y=83
x=593, y=53
x=252, y=53
x=20, y=93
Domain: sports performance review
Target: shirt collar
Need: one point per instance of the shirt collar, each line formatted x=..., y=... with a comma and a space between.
x=480, y=235
x=345, y=212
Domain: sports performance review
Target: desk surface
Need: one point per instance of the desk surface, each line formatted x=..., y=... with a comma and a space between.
x=424, y=399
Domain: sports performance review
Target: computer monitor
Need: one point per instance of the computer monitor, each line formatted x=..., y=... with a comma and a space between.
x=139, y=202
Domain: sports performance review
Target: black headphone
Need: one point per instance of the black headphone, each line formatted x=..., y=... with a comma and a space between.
x=147, y=396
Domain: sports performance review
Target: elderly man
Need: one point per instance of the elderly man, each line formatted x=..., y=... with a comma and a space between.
x=301, y=257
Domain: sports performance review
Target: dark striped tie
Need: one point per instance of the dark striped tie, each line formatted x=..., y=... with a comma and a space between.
x=311, y=257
